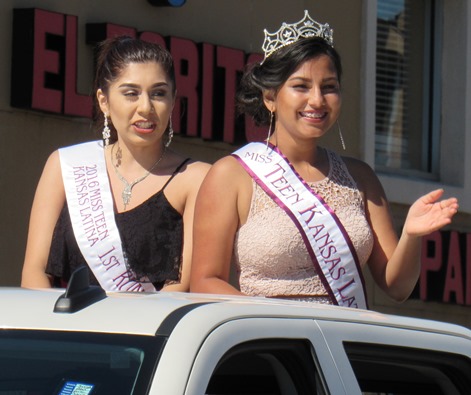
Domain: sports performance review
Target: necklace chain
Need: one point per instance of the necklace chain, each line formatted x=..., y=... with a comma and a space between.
x=127, y=191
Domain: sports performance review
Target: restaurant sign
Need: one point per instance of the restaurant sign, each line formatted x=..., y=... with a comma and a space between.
x=446, y=268
x=44, y=74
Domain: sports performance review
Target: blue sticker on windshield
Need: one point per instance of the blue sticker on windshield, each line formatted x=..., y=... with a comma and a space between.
x=75, y=388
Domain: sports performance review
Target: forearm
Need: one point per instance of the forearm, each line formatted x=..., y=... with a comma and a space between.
x=213, y=285
x=34, y=278
x=175, y=288
x=403, y=268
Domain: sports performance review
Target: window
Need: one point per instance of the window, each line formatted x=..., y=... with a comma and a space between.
x=57, y=363
x=271, y=367
x=393, y=370
x=407, y=88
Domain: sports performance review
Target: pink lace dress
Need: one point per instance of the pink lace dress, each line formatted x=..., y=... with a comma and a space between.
x=270, y=256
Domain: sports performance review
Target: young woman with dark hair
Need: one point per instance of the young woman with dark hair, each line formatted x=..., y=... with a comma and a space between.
x=122, y=206
x=296, y=220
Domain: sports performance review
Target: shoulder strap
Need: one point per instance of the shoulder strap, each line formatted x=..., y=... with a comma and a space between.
x=175, y=172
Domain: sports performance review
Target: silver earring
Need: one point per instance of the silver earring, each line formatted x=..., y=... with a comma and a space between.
x=341, y=136
x=106, y=131
x=269, y=127
x=170, y=133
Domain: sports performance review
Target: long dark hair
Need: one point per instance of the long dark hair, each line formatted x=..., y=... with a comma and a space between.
x=274, y=72
x=113, y=55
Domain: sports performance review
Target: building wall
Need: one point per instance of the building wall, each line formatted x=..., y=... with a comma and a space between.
x=27, y=137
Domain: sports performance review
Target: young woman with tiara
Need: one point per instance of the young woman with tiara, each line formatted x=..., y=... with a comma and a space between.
x=297, y=220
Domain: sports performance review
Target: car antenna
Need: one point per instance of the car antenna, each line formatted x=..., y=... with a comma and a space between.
x=79, y=293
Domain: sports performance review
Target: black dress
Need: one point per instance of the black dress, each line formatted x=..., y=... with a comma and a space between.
x=151, y=236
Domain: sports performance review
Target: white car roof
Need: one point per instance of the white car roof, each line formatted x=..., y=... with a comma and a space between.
x=158, y=313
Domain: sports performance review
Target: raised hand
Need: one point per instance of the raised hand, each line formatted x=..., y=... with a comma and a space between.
x=429, y=214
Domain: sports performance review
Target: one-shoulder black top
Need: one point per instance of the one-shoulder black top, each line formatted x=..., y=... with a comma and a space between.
x=151, y=236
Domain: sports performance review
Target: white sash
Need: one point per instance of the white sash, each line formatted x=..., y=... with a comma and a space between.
x=326, y=239
x=90, y=204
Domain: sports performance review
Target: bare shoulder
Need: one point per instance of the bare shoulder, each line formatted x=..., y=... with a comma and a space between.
x=197, y=169
x=359, y=170
x=228, y=164
x=53, y=160
x=187, y=180
x=356, y=165
x=49, y=192
x=191, y=175
x=52, y=168
x=228, y=170
x=365, y=177
x=223, y=167
x=187, y=167
x=229, y=182
x=227, y=187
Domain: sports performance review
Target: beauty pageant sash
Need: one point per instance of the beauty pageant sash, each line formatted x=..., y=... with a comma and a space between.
x=90, y=204
x=325, y=237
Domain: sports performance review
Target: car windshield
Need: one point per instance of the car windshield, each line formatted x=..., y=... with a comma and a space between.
x=76, y=363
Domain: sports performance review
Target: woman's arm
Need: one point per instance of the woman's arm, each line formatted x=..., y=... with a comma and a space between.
x=425, y=216
x=193, y=177
x=47, y=205
x=222, y=205
x=395, y=263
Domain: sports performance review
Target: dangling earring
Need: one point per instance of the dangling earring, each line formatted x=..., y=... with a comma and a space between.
x=341, y=136
x=170, y=133
x=106, y=131
x=269, y=127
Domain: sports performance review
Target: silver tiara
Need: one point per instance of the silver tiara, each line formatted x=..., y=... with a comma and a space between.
x=290, y=33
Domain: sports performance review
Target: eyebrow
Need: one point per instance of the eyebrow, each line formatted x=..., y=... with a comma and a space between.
x=136, y=86
x=308, y=79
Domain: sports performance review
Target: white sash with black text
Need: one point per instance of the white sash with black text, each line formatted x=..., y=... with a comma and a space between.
x=326, y=239
x=91, y=209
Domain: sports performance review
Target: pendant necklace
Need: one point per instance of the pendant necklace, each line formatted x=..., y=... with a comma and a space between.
x=127, y=191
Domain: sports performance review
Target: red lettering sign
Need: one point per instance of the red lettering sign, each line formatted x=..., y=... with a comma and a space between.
x=232, y=61
x=153, y=38
x=253, y=132
x=97, y=32
x=454, y=275
x=185, y=57
x=44, y=74
x=446, y=268
x=74, y=103
x=36, y=61
x=44, y=66
x=207, y=91
x=431, y=260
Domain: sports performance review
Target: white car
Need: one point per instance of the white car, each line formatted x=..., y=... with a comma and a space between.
x=87, y=342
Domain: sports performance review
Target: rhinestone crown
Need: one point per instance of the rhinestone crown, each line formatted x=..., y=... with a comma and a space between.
x=290, y=33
